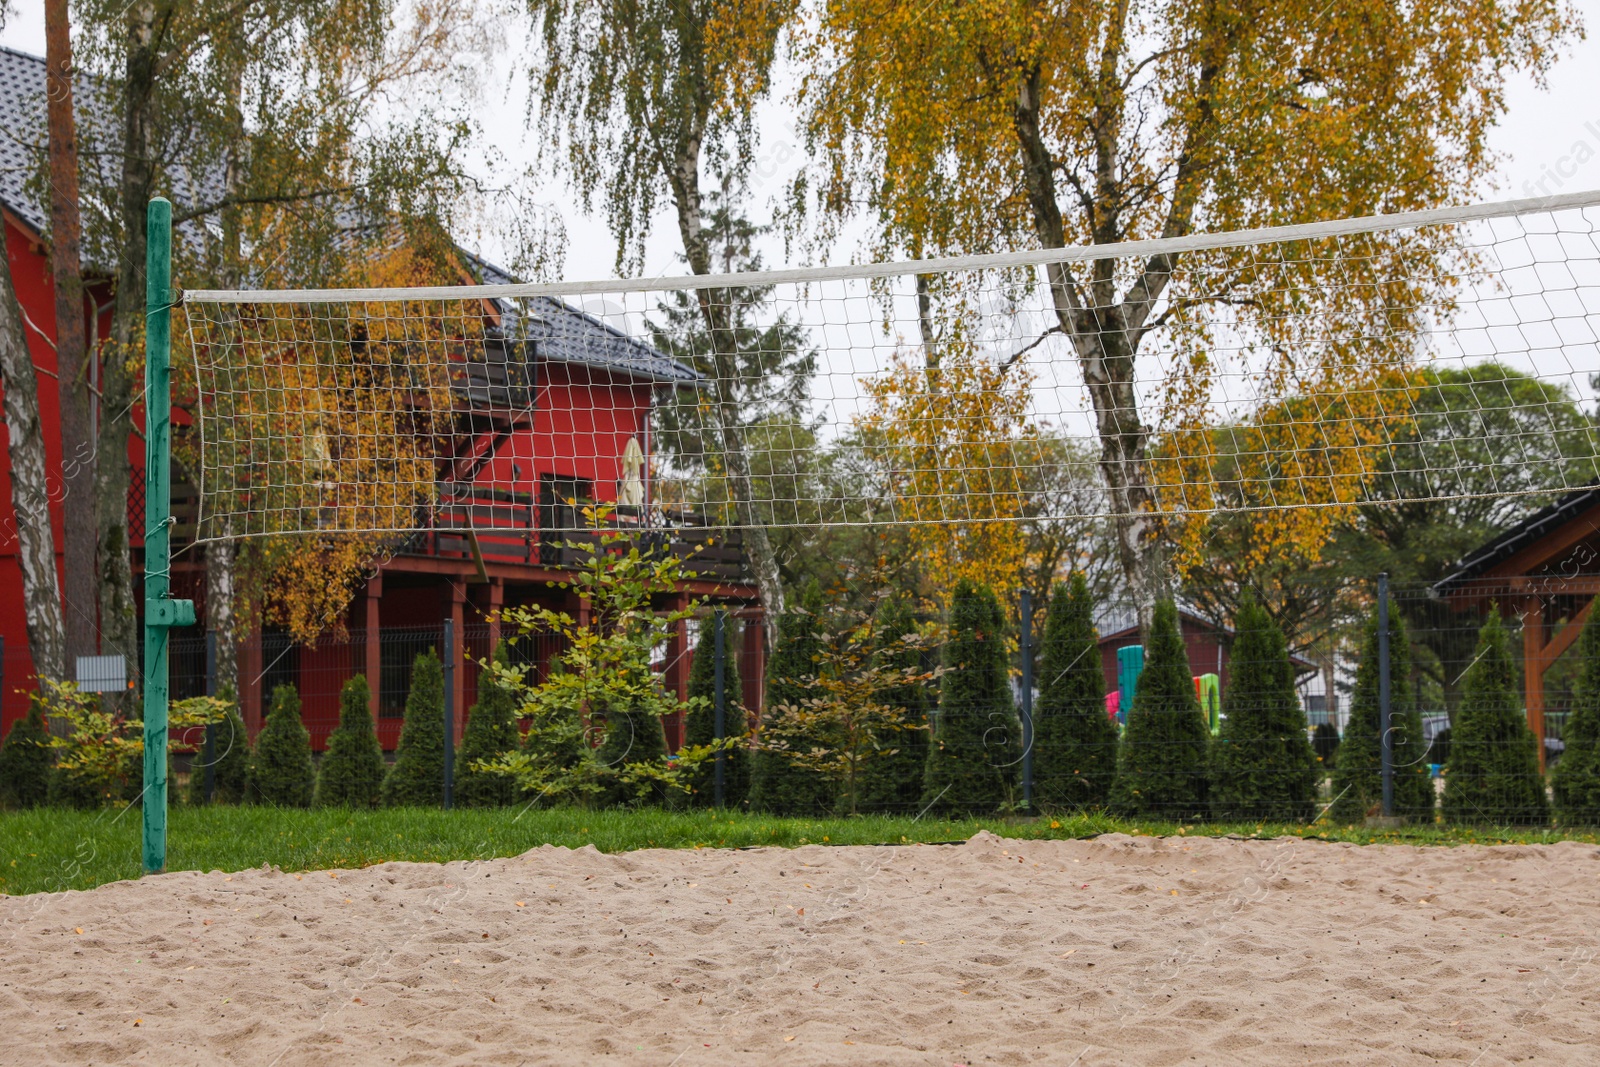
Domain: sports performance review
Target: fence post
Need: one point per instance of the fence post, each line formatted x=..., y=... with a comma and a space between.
x=1027, y=699
x=211, y=727
x=1385, y=725
x=449, y=712
x=720, y=704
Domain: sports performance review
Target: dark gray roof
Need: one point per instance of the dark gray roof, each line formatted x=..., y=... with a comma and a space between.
x=562, y=333
x=1505, y=545
x=24, y=141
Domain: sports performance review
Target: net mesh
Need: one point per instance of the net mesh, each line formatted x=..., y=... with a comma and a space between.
x=1286, y=373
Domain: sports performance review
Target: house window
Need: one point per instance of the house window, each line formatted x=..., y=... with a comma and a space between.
x=398, y=649
x=562, y=498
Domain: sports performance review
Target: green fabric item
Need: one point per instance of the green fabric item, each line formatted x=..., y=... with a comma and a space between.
x=1493, y=776
x=1575, y=779
x=1358, y=767
x=1074, y=741
x=491, y=733
x=1262, y=764
x=25, y=761
x=779, y=785
x=893, y=784
x=352, y=768
x=416, y=777
x=1162, y=764
x=281, y=772
x=700, y=723
x=974, y=750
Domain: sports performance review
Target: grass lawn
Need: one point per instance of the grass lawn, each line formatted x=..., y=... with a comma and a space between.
x=49, y=850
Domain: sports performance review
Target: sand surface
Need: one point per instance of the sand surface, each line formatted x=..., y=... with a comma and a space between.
x=1112, y=951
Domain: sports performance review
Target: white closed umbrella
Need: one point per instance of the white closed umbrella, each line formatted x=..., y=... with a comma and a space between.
x=630, y=494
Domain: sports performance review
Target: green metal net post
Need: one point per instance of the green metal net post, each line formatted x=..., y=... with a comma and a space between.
x=161, y=612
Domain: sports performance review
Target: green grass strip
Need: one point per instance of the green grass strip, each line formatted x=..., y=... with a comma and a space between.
x=48, y=850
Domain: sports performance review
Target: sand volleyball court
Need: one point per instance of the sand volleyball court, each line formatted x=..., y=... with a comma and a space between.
x=1111, y=951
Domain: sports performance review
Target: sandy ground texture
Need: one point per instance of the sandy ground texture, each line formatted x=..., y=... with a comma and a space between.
x=1112, y=951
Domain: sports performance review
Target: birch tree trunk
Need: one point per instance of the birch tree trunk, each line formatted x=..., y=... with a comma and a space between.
x=685, y=182
x=30, y=491
x=113, y=471
x=72, y=385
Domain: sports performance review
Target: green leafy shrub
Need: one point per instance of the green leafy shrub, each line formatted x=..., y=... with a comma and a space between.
x=780, y=785
x=491, y=734
x=975, y=744
x=1575, y=779
x=700, y=723
x=1493, y=775
x=99, y=756
x=1325, y=743
x=351, y=774
x=1162, y=762
x=1262, y=765
x=1358, y=773
x=416, y=778
x=231, y=754
x=281, y=771
x=1074, y=741
x=894, y=782
x=25, y=761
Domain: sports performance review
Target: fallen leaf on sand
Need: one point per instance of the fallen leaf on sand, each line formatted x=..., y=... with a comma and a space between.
x=1067, y=953
x=520, y=904
x=789, y=1038
x=802, y=911
x=136, y=1022
x=79, y=929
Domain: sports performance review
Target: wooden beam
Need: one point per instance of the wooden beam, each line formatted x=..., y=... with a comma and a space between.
x=374, y=659
x=1532, y=609
x=1563, y=640
x=1562, y=539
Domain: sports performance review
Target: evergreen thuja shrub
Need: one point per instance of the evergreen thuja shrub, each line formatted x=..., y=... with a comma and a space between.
x=231, y=756
x=893, y=783
x=1162, y=762
x=490, y=734
x=281, y=772
x=1493, y=775
x=1074, y=741
x=780, y=785
x=25, y=759
x=351, y=774
x=416, y=778
x=1575, y=779
x=1358, y=770
x=700, y=721
x=1262, y=764
x=974, y=748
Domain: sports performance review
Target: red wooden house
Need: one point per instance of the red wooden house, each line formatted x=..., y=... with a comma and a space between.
x=554, y=408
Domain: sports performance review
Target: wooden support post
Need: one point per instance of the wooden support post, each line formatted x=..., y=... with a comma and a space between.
x=374, y=647
x=250, y=683
x=1533, y=665
x=753, y=666
x=458, y=616
x=497, y=603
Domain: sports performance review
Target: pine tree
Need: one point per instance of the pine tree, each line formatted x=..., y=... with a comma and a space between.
x=700, y=724
x=778, y=784
x=1074, y=742
x=281, y=771
x=974, y=747
x=894, y=783
x=231, y=752
x=25, y=760
x=1575, y=779
x=352, y=768
x=491, y=733
x=416, y=778
x=1493, y=775
x=1161, y=766
x=1262, y=764
x=1358, y=769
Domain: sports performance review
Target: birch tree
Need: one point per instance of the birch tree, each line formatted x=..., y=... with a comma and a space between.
x=960, y=127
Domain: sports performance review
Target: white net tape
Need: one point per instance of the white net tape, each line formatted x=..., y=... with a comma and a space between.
x=1436, y=355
